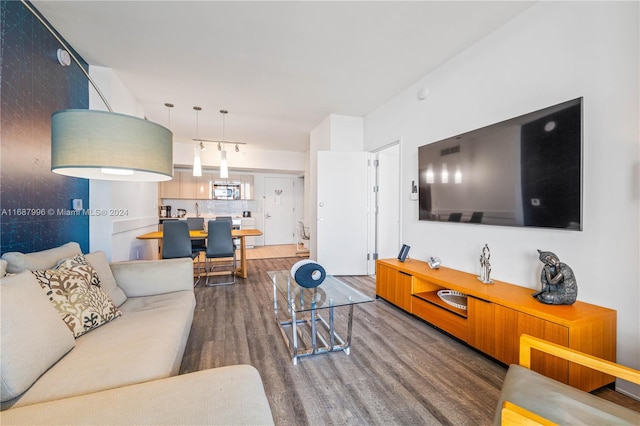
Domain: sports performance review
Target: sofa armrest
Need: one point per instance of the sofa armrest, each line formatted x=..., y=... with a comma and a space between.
x=529, y=398
x=513, y=414
x=527, y=343
x=150, y=277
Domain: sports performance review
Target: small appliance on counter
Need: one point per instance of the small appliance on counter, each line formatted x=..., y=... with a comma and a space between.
x=246, y=213
x=165, y=211
x=181, y=213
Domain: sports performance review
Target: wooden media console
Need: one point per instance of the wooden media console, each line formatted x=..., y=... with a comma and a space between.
x=497, y=314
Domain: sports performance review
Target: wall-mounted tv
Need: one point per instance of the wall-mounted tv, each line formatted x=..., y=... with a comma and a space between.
x=525, y=171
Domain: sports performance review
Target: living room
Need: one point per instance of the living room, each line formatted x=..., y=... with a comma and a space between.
x=550, y=53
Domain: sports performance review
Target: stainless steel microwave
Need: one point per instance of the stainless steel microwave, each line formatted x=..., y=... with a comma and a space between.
x=227, y=191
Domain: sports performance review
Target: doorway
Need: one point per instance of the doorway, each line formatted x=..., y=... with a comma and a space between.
x=279, y=204
x=385, y=227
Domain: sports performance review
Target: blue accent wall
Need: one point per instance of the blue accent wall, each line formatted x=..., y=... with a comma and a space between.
x=33, y=85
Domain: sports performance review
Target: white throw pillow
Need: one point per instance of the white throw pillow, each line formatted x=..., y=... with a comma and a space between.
x=33, y=337
x=40, y=260
x=3, y=268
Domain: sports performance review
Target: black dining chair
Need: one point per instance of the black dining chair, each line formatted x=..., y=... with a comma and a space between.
x=455, y=217
x=230, y=220
x=176, y=241
x=220, y=246
x=476, y=217
x=197, y=245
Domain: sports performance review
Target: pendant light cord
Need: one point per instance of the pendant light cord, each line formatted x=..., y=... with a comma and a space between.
x=70, y=51
x=197, y=109
x=223, y=112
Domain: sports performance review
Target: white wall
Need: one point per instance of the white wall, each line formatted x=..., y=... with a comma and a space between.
x=247, y=159
x=552, y=52
x=116, y=235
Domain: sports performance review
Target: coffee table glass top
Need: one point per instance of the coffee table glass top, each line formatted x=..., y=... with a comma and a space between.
x=331, y=293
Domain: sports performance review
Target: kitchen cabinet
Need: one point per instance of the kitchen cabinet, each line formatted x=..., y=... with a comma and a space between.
x=186, y=186
x=202, y=188
x=170, y=188
x=497, y=314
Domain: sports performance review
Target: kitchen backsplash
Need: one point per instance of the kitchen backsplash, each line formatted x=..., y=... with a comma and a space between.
x=214, y=207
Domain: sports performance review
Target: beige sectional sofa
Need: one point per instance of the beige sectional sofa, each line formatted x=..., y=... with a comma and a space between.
x=123, y=371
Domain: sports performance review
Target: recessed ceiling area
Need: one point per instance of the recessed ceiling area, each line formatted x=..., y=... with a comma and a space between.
x=279, y=68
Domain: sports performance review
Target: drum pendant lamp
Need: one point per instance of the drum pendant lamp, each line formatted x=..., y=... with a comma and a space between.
x=94, y=144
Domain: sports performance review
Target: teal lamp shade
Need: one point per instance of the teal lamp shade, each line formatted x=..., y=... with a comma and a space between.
x=104, y=145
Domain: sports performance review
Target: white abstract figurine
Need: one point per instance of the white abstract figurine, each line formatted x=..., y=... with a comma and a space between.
x=485, y=265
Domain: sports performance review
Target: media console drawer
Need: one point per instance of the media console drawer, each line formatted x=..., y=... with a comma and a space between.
x=448, y=321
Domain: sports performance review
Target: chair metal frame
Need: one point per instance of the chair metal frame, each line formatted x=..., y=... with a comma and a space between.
x=303, y=235
x=197, y=246
x=217, y=229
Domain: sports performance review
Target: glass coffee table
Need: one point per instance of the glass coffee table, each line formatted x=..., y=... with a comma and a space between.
x=304, y=329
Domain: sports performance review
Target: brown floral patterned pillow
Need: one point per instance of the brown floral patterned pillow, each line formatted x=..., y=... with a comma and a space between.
x=74, y=289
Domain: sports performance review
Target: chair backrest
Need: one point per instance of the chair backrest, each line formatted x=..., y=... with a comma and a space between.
x=227, y=218
x=219, y=241
x=476, y=217
x=195, y=223
x=455, y=217
x=176, y=241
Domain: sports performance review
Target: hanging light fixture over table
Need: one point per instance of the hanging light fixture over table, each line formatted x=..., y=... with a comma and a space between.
x=197, y=163
x=224, y=166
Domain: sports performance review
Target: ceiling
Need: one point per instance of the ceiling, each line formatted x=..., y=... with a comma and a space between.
x=279, y=68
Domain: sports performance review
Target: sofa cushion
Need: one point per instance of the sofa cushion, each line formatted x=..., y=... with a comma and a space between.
x=108, y=283
x=146, y=343
x=33, y=336
x=559, y=403
x=231, y=395
x=3, y=268
x=45, y=259
x=74, y=290
x=138, y=278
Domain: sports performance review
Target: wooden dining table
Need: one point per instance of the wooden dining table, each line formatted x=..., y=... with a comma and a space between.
x=241, y=271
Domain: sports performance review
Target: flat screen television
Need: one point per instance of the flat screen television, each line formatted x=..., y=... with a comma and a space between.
x=525, y=171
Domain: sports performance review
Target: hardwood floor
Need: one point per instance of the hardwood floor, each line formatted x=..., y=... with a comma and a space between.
x=270, y=252
x=400, y=371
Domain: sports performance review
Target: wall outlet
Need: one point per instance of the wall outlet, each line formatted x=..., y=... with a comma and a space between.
x=76, y=204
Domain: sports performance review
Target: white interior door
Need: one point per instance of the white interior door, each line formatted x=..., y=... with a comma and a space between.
x=279, y=220
x=388, y=203
x=342, y=212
